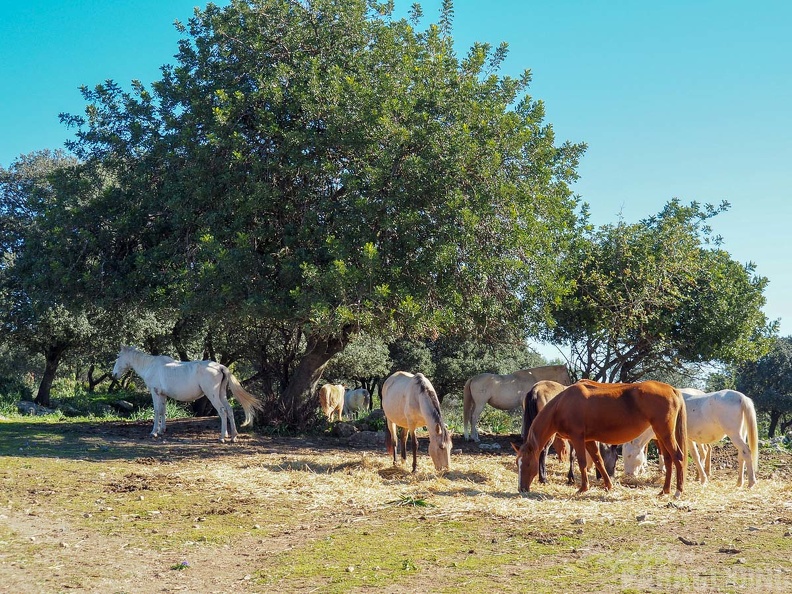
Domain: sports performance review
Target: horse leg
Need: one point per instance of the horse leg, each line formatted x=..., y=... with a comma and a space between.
x=415, y=450
x=571, y=473
x=158, y=400
x=708, y=462
x=693, y=448
x=393, y=433
x=744, y=460
x=579, y=445
x=592, y=447
x=474, y=419
x=403, y=443
x=666, y=454
x=543, y=464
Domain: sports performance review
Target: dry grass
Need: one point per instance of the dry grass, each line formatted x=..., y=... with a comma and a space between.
x=295, y=516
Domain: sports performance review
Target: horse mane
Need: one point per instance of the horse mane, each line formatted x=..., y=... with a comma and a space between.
x=425, y=387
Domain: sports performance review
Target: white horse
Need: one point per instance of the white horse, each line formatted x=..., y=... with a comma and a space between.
x=186, y=381
x=356, y=401
x=504, y=392
x=710, y=418
x=410, y=401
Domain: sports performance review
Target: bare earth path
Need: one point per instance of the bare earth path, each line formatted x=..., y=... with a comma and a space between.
x=102, y=508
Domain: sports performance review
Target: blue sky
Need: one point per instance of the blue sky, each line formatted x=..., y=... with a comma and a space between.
x=675, y=99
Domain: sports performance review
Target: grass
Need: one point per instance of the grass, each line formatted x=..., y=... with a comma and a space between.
x=274, y=513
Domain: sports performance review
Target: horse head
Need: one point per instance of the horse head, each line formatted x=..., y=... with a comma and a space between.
x=634, y=458
x=121, y=364
x=440, y=447
x=527, y=465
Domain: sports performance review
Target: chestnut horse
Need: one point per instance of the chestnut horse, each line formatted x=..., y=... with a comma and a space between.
x=589, y=411
x=535, y=400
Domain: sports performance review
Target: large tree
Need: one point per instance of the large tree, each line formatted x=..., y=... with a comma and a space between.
x=657, y=296
x=325, y=167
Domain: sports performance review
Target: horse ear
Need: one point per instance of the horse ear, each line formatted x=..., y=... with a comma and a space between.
x=515, y=446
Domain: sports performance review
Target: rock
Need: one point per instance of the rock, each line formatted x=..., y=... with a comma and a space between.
x=124, y=406
x=26, y=407
x=344, y=429
x=367, y=439
x=489, y=447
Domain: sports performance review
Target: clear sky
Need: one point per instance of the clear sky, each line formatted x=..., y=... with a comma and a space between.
x=675, y=99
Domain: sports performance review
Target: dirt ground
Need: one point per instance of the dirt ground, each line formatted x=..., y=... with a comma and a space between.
x=103, y=508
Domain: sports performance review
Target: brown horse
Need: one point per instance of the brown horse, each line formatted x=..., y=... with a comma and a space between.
x=535, y=400
x=589, y=411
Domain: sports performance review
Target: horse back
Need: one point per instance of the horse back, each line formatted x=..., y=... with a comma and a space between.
x=613, y=413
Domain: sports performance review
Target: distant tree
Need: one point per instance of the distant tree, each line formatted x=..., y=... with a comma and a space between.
x=39, y=314
x=365, y=361
x=323, y=168
x=768, y=382
x=656, y=296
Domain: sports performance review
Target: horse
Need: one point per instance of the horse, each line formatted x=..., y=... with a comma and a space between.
x=186, y=381
x=589, y=411
x=535, y=400
x=710, y=418
x=331, y=399
x=504, y=392
x=410, y=401
x=356, y=401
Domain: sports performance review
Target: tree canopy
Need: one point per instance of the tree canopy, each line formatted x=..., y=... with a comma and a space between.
x=324, y=165
x=768, y=381
x=654, y=296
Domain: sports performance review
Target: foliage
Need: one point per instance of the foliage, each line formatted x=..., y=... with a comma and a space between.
x=654, y=296
x=768, y=381
x=327, y=169
x=363, y=361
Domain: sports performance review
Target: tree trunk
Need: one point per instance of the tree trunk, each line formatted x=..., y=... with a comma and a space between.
x=92, y=383
x=300, y=393
x=52, y=357
x=774, y=417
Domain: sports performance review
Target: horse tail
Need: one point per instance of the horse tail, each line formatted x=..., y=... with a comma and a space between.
x=467, y=410
x=680, y=432
x=246, y=399
x=749, y=418
x=388, y=438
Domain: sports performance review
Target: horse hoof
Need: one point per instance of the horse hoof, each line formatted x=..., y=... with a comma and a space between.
x=678, y=495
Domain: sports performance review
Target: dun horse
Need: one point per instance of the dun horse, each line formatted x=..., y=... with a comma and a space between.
x=186, y=381
x=410, y=401
x=504, y=392
x=588, y=412
x=331, y=399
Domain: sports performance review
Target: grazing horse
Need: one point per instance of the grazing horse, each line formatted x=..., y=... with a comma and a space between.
x=589, y=411
x=356, y=401
x=535, y=400
x=710, y=418
x=504, y=392
x=410, y=401
x=331, y=399
x=186, y=381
